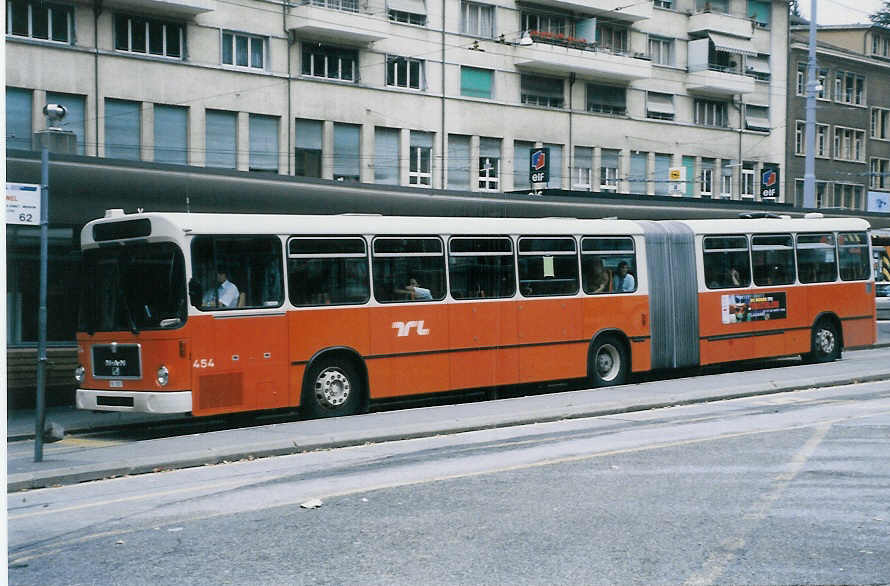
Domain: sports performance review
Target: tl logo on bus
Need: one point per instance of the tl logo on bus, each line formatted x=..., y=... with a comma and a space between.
x=405, y=328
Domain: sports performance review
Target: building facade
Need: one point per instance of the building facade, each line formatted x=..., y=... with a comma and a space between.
x=428, y=93
x=852, y=149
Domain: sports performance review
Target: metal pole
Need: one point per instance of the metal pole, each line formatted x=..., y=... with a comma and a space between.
x=809, y=177
x=41, y=312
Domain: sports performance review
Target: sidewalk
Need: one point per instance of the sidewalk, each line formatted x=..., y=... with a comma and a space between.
x=80, y=459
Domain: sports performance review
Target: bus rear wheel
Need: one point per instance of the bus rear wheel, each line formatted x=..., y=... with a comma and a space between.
x=332, y=388
x=608, y=362
x=825, y=344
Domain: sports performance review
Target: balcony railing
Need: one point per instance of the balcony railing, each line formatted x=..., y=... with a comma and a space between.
x=562, y=40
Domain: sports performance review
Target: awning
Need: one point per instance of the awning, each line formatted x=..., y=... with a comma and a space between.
x=660, y=103
x=757, y=65
x=729, y=44
x=410, y=6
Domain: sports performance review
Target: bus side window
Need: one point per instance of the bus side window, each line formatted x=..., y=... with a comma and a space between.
x=773, y=259
x=852, y=248
x=252, y=264
x=327, y=271
x=726, y=262
x=548, y=266
x=408, y=269
x=816, y=258
x=608, y=265
x=481, y=268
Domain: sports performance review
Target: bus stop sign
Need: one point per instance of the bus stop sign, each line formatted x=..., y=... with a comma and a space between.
x=539, y=165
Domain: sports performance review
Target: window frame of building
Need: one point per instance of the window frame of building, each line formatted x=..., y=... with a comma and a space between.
x=879, y=172
x=529, y=94
x=49, y=10
x=582, y=171
x=342, y=5
x=706, y=186
x=661, y=50
x=466, y=19
x=822, y=74
x=711, y=113
x=848, y=196
x=605, y=106
x=308, y=149
x=254, y=45
x=752, y=14
x=612, y=36
x=263, y=154
x=475, y=90
x=405, y=72
x=404, y=17
x=849, y=88
x=609, y=174
x=312, y=51
x=489, y=165
x=668, y=4
x=545, y=22
x=420, y=163
x=19, y=118
x=749, y=174
x=123, y=129
x=171, y=134
x=880, y=44
x=849, y=144
x=822, y=131
x=880, y=123
x=150, y=24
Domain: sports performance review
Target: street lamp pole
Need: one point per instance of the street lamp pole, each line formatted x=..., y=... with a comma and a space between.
x=809, y=177
x=40, y=419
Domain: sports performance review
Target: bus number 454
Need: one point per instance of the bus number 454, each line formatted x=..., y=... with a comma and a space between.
x=203, y=363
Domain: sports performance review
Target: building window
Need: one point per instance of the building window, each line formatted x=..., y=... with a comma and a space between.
x=404, y=72
x=148, y=36
x=609, y=169
x=220, y=139
x=800, y=147
x=880, y=174
x=606, y=99
x=711, y=113
x=748, y=179
x=849, y=144
x=477, y=19
x=611, y=37
x=18, y=118
x=546, y=28
x=243, y=50
x=307, y=148
x=712, y=6
x=880, y=44
x=582, y=171
x=880, y=123
x=420, y=170
x=458, y=161
x=821, y=188
x=759, y=12
x=344, y=5
x=849, y=88
x=661, y=50
x=659, y=106
x=707, y=177
x=386, y=156
x=475, y=82
x=522, y=151
x=263, y=143
x=541, y=91
x=171, y=134
x=39, y=20
x=726, y=180
x=758, y=67
x=848, y=196
x=74, y=119
x=489, y=164
x=407, y=11
x=757, y=118
x=330, y=62
x=123, y=123
x=662, y=173
x=663, y=3
x=347, y=151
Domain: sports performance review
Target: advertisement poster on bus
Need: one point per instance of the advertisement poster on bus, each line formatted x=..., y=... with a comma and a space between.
x=753, y=307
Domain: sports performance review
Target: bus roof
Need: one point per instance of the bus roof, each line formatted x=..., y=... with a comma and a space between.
x=773, y=225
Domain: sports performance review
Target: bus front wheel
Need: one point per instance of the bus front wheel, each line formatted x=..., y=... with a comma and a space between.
x=332, y=388
x=826, y=342
x=608, y=362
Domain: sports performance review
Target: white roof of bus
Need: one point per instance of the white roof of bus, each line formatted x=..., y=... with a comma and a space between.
x=776, y=225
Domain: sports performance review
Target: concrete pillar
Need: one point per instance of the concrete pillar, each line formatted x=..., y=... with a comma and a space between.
x=366, y=153
x=197, y=136
x=405, y=155
x=147, y=132
x=474, y=162
x=508, y=163
x=242, y=142
x=624, y=171
x=595, y=170
x=327, y=150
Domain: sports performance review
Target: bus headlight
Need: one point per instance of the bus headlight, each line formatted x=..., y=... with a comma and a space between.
x=79, y=373
x=163, y=376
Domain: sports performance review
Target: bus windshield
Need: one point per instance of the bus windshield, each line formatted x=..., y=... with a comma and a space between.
x=133, y=287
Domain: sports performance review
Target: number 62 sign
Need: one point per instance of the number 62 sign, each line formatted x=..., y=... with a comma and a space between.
x=23, y=204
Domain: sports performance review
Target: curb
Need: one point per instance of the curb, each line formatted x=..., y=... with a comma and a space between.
x=210, y=456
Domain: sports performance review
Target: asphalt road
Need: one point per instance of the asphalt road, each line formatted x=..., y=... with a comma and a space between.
x=785, y=488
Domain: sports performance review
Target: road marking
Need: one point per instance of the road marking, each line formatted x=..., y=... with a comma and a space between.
x=718, y=561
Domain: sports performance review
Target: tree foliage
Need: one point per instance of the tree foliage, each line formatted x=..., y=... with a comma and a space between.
x=882, y=16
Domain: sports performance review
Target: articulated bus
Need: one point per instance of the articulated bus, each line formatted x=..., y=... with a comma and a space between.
x=221, y=313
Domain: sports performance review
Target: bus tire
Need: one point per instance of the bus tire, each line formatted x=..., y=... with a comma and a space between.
x=825, y=344
x=332, y=388
x=608, y=361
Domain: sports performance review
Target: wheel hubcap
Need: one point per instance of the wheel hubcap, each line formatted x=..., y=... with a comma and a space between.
x=825, y=341
x=332, y=388
x=608, y=362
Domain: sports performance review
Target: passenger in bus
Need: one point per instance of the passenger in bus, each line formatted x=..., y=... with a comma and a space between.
x=623, y=281
x=600, y=280
x=227, y=294
x=415, y=292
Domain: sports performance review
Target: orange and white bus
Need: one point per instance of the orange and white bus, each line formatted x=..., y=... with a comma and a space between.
x=221, y=313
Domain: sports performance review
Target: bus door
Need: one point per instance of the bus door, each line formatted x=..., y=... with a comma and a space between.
x=240, y=346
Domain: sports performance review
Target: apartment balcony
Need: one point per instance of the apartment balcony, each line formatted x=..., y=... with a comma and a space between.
x=613, y=9
x=719, y=83
x=178, y=8
x=336, y=21
x=718, y=22
x=583, y=59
